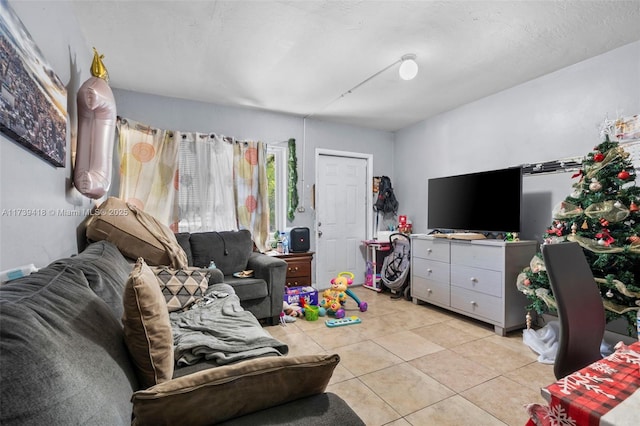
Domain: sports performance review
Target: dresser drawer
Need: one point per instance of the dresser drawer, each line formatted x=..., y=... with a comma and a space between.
x=476, y=279
x=430, y=291
x=477, y=304
x=430, y=249
x=480, y=256
x=436, y=271
x=298, y=269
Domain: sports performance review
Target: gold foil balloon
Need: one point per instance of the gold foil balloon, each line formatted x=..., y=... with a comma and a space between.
x=97, y=66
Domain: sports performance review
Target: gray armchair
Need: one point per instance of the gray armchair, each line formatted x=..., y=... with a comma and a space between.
x=232, y=251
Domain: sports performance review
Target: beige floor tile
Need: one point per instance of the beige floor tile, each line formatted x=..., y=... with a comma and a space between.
x=492, y=355
x=399, y=422
x=513, y=341
x=331, y=338
x=535, y=375
x=369, y=406
x=453, y=411
x=453, y=370
x=471, y=326
x=433, y=366
x=366, y=357
x=407, y=345
x=340, y=374
x=405, y=388
x=504, y=399
x=301, y=344
x=445, y=335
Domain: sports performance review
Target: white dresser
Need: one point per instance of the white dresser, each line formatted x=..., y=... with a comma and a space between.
x=476, y=278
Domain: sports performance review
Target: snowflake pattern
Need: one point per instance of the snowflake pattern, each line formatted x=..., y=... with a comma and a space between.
x=558, y=416
x=586, y=380
x=604, y=368
x=625, y=355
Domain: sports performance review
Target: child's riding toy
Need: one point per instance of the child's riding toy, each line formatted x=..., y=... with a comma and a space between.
x=334, y=297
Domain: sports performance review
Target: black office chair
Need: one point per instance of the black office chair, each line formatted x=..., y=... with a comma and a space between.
x=580, y=308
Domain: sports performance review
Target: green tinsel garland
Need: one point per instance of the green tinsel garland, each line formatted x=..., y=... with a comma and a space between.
x=293, y=180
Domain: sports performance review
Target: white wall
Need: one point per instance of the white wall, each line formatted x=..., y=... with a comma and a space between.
x=27, y=181
x=552, y=117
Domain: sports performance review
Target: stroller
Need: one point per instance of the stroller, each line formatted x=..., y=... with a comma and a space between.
x=395, y=268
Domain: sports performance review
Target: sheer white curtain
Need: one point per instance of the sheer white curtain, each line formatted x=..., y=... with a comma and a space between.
x=205, y=197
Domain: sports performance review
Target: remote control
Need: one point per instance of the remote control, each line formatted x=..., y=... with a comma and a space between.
x=343, y=321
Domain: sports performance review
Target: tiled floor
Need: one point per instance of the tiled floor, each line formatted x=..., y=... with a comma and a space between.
x=408, y=364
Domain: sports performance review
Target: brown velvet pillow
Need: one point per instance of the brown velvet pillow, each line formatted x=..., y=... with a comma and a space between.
x=181, y=287
x=147, y=330
x=217, y=394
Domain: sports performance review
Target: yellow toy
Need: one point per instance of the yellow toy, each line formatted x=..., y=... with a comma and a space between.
x=334, y=297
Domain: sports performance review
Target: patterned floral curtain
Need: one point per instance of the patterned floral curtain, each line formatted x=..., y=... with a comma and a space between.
x=250, y=161
x=195, y=182
x=206, y=197
x=148, y=170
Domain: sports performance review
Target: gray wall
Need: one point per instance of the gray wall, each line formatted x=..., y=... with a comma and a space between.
x=552, y=117
x=27, y=181
x=243, y=123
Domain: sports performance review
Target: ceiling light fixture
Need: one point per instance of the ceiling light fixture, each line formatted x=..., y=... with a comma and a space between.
x=409, y=67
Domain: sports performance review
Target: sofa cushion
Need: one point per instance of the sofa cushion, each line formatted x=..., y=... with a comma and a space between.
x=183, y=239
x=62, y=352
x=233, y=390
x=230, y=250
x=147, y=329
x=248, y=288
x=181, y=287
x=136, y=234
x=106, y=270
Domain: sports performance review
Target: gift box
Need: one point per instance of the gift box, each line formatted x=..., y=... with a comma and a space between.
x=294, y=294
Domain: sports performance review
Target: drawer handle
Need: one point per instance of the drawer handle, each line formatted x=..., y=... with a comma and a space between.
x=429, y=270
x=429, y=250
x=429, y=290
x=473, y=303
x=474, y=279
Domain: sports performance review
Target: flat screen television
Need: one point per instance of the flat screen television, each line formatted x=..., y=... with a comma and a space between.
x=489, y=201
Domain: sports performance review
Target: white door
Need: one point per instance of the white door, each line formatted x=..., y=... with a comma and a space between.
x=343, y=196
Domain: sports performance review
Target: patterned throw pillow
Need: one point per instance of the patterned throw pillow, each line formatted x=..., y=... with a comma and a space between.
x=181, y=287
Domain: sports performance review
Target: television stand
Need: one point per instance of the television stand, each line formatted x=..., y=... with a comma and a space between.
x=461, y=236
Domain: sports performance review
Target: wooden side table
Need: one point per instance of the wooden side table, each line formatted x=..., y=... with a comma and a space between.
x=298, y=268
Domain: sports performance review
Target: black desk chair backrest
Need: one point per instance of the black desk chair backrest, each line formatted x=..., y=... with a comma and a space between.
x=580, y=309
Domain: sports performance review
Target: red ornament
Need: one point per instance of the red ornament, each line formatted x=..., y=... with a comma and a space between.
x=633, y=207
x=624, y=175
x=527, y=282
x=598, y=157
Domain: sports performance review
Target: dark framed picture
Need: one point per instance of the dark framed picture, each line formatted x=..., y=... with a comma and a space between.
x=33, y=100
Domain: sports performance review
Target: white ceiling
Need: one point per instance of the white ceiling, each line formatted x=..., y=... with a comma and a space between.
x=299, y=57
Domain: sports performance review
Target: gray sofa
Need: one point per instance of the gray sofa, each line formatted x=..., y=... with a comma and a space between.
x=232, y=251
x=64, y=361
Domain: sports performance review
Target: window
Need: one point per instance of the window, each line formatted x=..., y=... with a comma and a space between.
x=277, y=185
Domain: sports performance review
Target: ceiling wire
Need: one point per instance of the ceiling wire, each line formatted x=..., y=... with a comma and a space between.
x=304, y=123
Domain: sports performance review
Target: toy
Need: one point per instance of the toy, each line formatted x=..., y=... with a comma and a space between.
x=344, y=321
x=335, y=297
x=292, y=309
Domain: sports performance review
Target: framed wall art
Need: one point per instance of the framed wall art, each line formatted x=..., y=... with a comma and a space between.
x=33, y=100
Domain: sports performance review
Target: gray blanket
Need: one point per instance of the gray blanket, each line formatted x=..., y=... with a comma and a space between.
x=221, y=331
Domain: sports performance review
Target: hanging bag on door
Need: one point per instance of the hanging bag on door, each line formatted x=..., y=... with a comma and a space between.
x=386, y=201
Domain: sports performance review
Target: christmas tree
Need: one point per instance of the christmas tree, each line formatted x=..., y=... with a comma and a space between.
x=602, y=215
